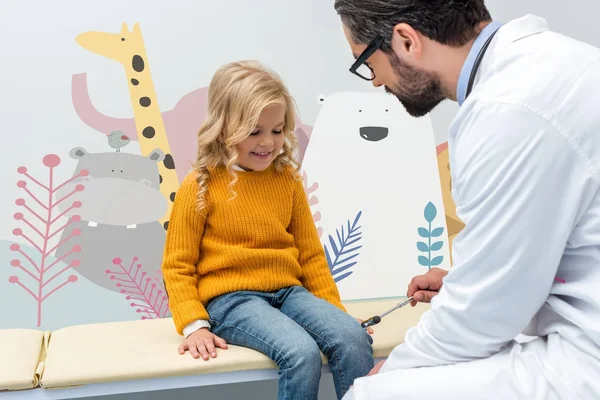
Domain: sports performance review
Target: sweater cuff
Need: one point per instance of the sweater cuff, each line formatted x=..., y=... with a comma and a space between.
x=188, y=312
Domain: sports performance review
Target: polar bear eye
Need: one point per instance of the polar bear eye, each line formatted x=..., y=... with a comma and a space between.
x=359, y=110
x=386, y=110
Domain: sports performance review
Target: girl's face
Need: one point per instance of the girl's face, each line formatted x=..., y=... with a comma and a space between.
x=264, y=144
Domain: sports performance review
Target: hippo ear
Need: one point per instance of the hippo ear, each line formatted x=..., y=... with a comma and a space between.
x=321, y=98
x=156, y=155
x=77, y=152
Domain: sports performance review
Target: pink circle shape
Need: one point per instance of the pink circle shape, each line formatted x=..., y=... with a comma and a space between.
x=18, y=216
x=77, y=204
x=122, y=290
x=138, y=310
x=154, y=285
x=84, y=172
x=135, y=258
x=13, y=279
x=107, y=271
x=75, y=263
x=128, y=298
x=15, y=263
x=144, y=273
x=79, y=187
x=119, y=285
x=138, y=266
x=21, y=184
x=76, y=218
x=72, y=278
x=144, y=317
x=20, y=202
x=76, y=248
x=17, y=232
x=116, y=260
x=51, y=161
x=112, y=276
x=15, y=247
x=76, y=232
x=22, y=170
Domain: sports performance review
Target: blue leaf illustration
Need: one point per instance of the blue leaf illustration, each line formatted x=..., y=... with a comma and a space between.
x=430, y=213
x=345, y=250
x=436, y=246
x=437, y=232
x=423, y=232
x=437, y=261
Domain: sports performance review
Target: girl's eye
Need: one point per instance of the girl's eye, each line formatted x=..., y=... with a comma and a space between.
x=254, y=133
x=277, y=132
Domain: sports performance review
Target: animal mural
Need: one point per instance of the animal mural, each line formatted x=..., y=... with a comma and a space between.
x=380, y=196
x=118, y=218
x=453, y=223
x=127, y=47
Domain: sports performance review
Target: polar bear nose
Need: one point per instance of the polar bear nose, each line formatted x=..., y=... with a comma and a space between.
x=373, y=133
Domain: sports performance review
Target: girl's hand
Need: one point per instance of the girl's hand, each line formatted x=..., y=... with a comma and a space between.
x=202, y=343
x=369, y=329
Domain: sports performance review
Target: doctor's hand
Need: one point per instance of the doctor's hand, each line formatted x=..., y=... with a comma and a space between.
x=424, y=287
x=202, y=343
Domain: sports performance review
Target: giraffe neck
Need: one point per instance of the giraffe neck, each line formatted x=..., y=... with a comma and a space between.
x=150, y=126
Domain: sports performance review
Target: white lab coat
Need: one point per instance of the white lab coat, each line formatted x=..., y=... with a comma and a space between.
x=525, y=164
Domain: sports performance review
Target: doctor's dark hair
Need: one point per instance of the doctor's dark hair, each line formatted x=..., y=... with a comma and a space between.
x=450, y=22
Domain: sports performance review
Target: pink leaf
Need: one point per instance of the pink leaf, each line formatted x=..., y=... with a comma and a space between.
x=38, y=270
x=138, y=287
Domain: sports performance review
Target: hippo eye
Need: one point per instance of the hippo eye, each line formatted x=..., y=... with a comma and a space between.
x=359, y=110
x=386, y=110
x=121, y=170
x=113, y=170
x=122, y=39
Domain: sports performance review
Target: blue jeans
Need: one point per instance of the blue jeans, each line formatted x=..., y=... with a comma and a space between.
x=292, y=327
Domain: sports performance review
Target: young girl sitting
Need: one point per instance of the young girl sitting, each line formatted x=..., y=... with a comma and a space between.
x=243, y=263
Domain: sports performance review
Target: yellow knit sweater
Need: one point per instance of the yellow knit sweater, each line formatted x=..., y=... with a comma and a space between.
x=262, y=240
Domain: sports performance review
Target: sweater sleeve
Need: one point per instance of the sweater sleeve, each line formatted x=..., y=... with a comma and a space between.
x=181, y=255
x=520, y=186
x=316, y=276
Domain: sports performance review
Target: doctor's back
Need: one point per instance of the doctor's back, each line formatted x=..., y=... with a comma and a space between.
x=528, y=139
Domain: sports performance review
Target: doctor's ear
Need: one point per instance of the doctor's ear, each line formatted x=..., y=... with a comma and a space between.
x=406, y=41
x=321, y=98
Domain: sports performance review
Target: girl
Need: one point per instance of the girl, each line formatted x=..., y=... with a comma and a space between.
x=243, y=263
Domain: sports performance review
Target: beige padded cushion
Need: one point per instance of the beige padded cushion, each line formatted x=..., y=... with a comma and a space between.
x=21, y=351
x=119, y=351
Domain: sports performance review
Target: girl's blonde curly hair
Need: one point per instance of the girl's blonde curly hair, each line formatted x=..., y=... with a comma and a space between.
x=237, y=94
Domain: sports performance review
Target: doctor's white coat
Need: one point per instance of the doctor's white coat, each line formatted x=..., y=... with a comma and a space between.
x=525, y=164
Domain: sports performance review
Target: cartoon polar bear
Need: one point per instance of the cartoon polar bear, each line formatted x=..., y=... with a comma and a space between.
x=376, y=171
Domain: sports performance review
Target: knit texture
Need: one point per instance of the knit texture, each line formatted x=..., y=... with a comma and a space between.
x=262, y=240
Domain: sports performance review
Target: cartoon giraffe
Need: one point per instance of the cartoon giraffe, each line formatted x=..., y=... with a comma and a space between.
x=128, y=49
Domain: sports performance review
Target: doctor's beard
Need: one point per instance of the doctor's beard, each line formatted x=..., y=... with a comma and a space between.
x=418, y=91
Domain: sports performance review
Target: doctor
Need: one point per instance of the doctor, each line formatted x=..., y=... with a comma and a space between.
x=525, y=163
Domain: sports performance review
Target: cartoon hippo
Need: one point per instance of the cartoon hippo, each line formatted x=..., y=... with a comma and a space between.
x=120, y=208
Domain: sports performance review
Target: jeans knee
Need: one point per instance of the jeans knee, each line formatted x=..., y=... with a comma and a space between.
x=304, y=355
x=354, y=341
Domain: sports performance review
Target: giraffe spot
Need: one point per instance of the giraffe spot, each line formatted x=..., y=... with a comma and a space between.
x=166, y=225
x=172, y=196
x=135, y=82
x=137, y=63
x=168, y=162
x=145, y=101
x=159, y=178
x=148, y=132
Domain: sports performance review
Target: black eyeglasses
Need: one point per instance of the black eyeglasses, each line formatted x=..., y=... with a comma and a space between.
x=360, y=68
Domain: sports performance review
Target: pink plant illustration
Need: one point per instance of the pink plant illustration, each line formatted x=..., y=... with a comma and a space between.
x=42, y=272
x=312, y=199
x=150, y=299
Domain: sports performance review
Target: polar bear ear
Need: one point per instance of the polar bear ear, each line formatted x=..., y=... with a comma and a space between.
x=321, y=98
